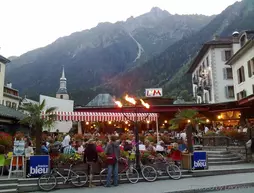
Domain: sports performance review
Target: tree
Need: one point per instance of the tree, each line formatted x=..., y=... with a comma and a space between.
x=35, y=120
x=190, y=118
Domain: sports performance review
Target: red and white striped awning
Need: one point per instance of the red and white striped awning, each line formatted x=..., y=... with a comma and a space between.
x=102, y=116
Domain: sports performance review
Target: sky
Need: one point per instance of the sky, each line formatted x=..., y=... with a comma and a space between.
x=29, y=24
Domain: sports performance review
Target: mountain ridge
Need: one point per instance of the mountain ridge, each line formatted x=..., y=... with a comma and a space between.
x=92, y=57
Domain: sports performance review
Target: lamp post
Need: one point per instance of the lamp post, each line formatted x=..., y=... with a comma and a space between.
x=134, y=104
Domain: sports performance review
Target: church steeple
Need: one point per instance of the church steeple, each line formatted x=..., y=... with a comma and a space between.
x=62, y=91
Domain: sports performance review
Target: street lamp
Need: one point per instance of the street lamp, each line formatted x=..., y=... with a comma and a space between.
x=136, y=104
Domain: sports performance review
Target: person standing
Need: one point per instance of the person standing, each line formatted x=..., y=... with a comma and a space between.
x=28, y=153
x=113, y=154
x=90, y=157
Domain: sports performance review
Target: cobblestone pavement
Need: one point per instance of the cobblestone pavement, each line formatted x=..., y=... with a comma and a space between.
x=171, y=185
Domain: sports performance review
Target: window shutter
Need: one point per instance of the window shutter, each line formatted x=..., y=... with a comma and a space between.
x=243, y=75
x=224, y=73
x=223, y=56
x=249, y=68
x=238, y=76
x=226, y=91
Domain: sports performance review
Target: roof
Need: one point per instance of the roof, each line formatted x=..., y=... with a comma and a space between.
x=102, y=100
x=62, y=91
x=204, y=49
x=10, y=88
x=27, y=101
x=241, y=51
x=8, y=112
x=4, y=60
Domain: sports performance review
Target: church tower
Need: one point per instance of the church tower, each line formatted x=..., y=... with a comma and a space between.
x=62, y=91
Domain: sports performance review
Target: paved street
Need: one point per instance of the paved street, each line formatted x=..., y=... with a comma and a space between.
x=170, y=185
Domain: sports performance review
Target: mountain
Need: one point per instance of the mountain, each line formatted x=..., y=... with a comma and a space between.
x=93, y=57
x=168, y=69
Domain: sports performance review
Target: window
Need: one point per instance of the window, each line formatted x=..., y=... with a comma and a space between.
x=14, y=105
x=251, y=67
x=240, y=75
x=253, y=88
x=226, y=55
x=227, y=73
x=0, y=67
x=241, y=95
x=8, y=103
x=229, y=91
x=206, y=97
x=207, y=61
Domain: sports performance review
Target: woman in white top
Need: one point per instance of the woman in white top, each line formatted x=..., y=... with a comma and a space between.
x=29, y=151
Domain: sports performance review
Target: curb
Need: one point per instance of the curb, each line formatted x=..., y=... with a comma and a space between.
x=216, y=188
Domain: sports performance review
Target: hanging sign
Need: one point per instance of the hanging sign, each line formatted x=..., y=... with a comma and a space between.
x=19, y=148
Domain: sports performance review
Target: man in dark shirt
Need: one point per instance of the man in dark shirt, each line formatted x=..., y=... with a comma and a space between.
x=90, y=157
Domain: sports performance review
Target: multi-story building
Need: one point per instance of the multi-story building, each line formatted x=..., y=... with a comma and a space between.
x=11, y=97
x=3, y=62
x=212, y=78
x=242, y=63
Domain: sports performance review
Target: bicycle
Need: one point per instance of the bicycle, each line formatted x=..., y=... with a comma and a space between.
x=77, y=178
x=130, y=172
x=150, y=174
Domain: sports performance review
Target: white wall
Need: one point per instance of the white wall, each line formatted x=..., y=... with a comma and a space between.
x=2, y=75
x=61, y=105
x=221, y=82
x=249, y=81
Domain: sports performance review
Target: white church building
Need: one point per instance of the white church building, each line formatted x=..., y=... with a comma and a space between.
x=62, y=103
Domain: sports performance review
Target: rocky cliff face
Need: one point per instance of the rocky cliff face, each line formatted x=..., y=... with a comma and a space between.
x=93, y=57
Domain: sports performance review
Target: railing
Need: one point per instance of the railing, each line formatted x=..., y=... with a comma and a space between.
x=221, y=141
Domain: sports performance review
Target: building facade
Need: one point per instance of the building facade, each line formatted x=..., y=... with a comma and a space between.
x=11, y=97
x=3, y=62
x=242, y=63
x=212, y=78
x=62, y=91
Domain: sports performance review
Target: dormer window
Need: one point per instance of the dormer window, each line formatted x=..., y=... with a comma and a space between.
x=243, y=40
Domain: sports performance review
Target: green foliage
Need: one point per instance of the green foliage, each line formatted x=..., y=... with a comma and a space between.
x=36, y=122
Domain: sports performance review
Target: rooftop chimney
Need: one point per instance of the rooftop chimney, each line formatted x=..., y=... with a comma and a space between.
x=215, y=37
x=9, y=85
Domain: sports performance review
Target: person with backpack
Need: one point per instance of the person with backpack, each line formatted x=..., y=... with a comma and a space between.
x=113, y=154
x=90, y=157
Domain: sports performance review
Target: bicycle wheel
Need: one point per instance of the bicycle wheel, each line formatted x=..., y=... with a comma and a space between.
x=79, y=178
x=103, y=177
x=174, y=172
x=132, y=175
x=47, y=182
x=149, y=173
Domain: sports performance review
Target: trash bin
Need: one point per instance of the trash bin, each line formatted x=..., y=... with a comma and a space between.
x=187, y=161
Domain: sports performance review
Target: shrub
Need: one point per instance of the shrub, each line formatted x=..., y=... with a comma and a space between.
x=6, y=140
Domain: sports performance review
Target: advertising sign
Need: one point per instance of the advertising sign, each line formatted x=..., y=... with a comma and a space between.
x=39, y=164
x=19, y=148
x=199, y=160
x=154, y=92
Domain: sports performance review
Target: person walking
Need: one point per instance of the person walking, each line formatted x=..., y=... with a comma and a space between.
x=90, y=157
x=113, y=154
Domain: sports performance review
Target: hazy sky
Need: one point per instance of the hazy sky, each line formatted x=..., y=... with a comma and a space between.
x=29, y=24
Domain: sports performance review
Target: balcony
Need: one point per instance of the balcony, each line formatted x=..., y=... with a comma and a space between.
x=207, y=86
x=200, y=92
x=195, y=80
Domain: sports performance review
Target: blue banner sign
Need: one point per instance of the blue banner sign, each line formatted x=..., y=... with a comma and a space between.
x=39, y=164
x=199, y=160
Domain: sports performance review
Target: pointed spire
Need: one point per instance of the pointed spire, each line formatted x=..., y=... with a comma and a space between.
x=63, y=75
